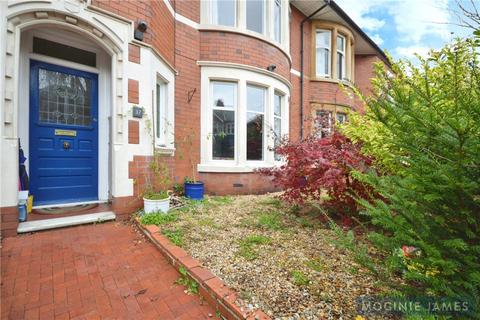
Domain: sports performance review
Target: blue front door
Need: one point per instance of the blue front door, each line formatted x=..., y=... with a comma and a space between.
x=63, y=134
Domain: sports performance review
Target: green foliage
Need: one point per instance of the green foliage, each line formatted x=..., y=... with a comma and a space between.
x=299, y=278
x=248, y=246
x=151, y=195
x=429, y=119
x=158, y=218
x=185, y=280
x=315, y=264
x=270, y=220
x=175, y=235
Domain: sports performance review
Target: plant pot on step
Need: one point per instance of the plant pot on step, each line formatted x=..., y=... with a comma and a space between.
x=156, y=202
x=194, y=190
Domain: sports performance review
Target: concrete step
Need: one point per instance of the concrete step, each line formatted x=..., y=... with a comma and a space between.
x=38, y=225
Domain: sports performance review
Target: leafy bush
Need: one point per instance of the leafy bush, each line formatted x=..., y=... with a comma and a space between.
x=318, y=166
x=432, y=207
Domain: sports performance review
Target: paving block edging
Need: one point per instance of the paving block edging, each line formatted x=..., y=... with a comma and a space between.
x=211, y=288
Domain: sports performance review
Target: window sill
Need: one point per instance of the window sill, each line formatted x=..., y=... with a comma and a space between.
x=230, y=169
x=321, y=79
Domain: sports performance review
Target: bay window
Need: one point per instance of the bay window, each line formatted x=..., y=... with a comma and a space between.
x=240, y=109
x=224, y=12
x=255, y=12
x=333, y=51
x=323, y=46
x=264, y=19
x=223, y=120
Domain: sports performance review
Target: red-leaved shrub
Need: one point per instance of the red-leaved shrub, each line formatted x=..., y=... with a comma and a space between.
x=321, y=166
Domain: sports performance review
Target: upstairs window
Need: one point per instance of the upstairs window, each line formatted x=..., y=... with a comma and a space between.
x=224, y=12
x=323, y=47
x=341, y=57
x=255, y=15
x=277, y=23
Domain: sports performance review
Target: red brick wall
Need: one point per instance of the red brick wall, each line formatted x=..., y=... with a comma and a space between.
x=133, y=132
x=161, y=25
x=364, y=72
x=8, y=221
x=133, y=91
x=236, y=183
x=134, y=53
x=238, y=48
x=188, y=8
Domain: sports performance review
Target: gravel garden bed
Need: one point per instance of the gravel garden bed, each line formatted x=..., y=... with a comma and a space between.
x=289, y=266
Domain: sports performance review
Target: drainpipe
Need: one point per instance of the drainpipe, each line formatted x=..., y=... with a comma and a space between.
x=302, y=76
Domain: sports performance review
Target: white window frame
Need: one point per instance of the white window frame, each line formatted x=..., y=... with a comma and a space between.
x=328, y=48
x=343, y=60
x=160, y=111
x=235, y=111
x=235, y=14
x=275, y=37
x=243, y=77
x=279, y=117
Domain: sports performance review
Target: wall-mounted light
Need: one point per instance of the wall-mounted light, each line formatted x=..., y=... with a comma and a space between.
x=140, y=30
x=271, y=67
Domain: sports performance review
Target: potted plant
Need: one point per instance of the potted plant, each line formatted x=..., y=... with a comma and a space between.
x=156, y=196
x=193, y=188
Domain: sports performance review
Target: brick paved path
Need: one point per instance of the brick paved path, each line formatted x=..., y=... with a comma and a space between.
x=91, y=272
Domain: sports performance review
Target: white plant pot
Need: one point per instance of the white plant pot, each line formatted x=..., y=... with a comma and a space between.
x=150, y=206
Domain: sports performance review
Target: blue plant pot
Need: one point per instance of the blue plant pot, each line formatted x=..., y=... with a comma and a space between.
x=194, y=191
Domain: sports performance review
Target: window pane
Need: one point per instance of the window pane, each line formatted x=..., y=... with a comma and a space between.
x=323, y=123
x=255, y=99
x=223, y=12
x=64, y=98
x=224, y=94
x=254, y=136
x=323, y=39
x=255, y=15
x=159, y=109
x=341, y=44
x=340, y=65
x=277, y=110
x=341, y=117
x=323, y=60
x=255, y=103
x=223, y=135
x=277, y=24
x=277, y=128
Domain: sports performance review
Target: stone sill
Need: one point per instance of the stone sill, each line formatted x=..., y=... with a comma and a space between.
x=211, y=288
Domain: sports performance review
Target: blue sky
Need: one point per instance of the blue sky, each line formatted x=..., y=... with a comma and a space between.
x=404, y=27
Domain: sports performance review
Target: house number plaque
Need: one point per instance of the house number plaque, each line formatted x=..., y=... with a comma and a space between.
x=70, y=133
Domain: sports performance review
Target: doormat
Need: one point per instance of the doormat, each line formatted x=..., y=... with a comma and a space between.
x=63, y=210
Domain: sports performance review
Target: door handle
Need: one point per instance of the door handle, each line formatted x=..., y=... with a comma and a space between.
x=66, y=145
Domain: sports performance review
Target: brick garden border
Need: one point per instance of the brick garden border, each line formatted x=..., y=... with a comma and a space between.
x=211, y=288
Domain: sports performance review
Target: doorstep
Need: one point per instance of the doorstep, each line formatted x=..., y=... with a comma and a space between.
x=38, y=225
x=211, y=288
